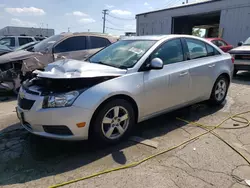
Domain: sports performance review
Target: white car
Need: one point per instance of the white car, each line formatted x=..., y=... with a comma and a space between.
x=132, y=80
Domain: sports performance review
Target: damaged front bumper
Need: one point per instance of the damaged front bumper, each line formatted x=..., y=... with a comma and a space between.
x=57, y=123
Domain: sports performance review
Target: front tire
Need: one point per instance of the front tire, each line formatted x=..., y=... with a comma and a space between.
x=113, y=121
x=219, y=91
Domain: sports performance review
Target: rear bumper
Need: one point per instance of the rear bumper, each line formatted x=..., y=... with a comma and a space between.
x=241, y=67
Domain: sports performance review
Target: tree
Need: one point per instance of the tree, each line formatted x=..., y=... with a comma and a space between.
x=196, y=32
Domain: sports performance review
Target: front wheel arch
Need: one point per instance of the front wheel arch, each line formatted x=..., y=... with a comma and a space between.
x=121, y=96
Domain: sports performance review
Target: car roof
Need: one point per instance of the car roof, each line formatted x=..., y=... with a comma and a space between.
x=158, y=37
x=17, y=36
x=89, y=34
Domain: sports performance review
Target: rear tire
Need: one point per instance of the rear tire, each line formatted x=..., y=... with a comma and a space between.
x=219, y=91
x=113, y=122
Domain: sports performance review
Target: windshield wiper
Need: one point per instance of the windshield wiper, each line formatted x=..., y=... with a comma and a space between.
x=101, y=63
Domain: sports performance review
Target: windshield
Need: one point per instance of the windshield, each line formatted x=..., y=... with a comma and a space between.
x=25, y=46
x=247, y=42
x=47, y=43
x=122, y=54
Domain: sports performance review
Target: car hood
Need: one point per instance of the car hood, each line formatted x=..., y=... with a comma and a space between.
x=240, y=50
x=69, y=68
x=16, y=55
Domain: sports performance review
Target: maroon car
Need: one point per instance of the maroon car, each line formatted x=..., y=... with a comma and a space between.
x=223, y=45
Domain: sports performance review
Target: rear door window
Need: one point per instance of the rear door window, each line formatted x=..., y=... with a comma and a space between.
x=24, y=40
x=197, y=49
x=71, y=44
x=211, y=51
x=8, y=41
x=98, y=42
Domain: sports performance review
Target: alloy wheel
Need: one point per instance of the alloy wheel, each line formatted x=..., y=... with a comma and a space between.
x=220, y=90
x=115, y=122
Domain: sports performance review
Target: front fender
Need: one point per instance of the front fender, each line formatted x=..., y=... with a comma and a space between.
x=130, y=85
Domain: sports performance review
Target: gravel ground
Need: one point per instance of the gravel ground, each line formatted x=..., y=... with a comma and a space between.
x=31, y=161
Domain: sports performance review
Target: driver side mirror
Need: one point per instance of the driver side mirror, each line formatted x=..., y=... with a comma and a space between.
x=156, y=63
x=240, y=43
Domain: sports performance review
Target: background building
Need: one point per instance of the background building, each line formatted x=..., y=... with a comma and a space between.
x=130, y=33
x=229, y=19
x=29, y=31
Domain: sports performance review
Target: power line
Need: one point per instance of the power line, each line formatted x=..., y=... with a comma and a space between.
x=113, y=23
x=115, y=29
x=127, y=19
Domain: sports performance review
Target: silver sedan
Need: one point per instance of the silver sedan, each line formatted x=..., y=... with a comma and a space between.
x=130, y=81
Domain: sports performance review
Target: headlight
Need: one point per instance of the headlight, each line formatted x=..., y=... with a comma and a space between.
x=61, y=100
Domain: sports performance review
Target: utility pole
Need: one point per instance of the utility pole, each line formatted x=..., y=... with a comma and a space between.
x=68, y=30
x=105, y=11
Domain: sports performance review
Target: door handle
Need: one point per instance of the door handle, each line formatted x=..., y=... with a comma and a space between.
x=183, y=73
x=211, y=66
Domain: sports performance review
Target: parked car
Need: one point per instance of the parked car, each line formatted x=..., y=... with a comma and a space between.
x=28, y=46
x=18, y=66
x=242, y=56
x=4, y=49
x=127, y=82
x=8, y=70
x=16, y=41
x=223, y=45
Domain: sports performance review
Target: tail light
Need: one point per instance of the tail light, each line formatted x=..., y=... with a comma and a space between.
x=232, y=58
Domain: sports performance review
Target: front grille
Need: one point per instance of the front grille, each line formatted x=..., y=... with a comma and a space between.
x=58, y=130
x=25, y=104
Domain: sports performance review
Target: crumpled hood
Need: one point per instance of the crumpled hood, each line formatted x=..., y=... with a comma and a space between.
x=69, y=68
x=240, y=50
x=16, y=55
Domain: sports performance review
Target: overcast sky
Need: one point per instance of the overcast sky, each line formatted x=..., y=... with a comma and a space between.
x=78, y=15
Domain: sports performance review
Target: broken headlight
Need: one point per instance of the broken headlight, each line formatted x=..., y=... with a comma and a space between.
x=60, y=100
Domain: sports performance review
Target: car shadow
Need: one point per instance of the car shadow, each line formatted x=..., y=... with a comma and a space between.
x=243, y=77
x=25, y=157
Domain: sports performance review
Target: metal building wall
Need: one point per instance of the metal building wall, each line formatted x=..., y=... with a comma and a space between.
x=236, y=24
x=234, y=18
x=27, y=31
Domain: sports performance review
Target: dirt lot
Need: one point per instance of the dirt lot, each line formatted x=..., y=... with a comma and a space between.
x=30, y=161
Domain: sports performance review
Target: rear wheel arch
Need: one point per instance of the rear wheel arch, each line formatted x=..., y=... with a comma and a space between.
x=224, y=76
x=120, y=96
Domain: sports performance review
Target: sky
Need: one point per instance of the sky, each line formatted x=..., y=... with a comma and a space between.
x=79, y=15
